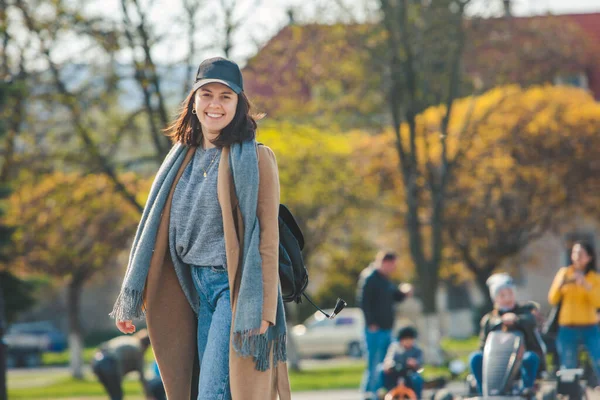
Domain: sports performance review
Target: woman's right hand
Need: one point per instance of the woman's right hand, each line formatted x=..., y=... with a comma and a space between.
x=126, y=326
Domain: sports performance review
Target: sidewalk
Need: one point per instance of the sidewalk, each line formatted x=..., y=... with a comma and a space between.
x=352, y=394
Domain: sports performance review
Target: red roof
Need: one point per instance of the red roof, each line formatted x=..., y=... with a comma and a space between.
x=286, y=71
x=590, y=23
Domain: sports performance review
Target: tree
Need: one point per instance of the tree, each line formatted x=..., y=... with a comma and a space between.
x=524, y=175
x=318, y=181
x=5, y=240
x=293, y=78
x=72, y=228
x=424, y=50
x=528, y=166
x=140, y=36
x=344, y=265
x=46, y=29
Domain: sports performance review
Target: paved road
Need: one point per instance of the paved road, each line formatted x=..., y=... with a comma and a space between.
x=328, y=395
x=455, y=387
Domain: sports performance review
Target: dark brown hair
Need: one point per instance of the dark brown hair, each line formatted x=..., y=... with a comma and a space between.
x=386, y=255
x=591, y=265
x=186, y=128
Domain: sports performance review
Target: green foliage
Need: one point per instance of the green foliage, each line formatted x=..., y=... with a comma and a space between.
x=18, y=295
x=93, y=339
x=319, y=182
x=343, y=270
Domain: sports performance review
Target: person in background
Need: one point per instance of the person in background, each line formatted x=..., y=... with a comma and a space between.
x=508, y=314
x=376, y=297
x=157, y=389
x=119, y=356
x=403, y=355
x=577, y=289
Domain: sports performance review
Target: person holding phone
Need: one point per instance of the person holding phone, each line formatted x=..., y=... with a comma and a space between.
x=577, y=289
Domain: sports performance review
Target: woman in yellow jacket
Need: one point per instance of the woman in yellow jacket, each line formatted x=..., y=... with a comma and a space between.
x=577, y=289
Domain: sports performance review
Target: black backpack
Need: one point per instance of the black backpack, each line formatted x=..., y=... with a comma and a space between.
x=293, y=275
x=292, y=271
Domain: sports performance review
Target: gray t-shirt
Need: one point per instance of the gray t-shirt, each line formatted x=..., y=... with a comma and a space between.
x=196, y=225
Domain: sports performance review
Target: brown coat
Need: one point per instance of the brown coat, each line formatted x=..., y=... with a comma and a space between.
x=172, y=323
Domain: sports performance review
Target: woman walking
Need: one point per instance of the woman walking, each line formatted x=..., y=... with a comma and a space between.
x=203, y=268
x=577, y=289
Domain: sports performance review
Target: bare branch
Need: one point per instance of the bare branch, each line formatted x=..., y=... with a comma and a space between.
x=73, y=105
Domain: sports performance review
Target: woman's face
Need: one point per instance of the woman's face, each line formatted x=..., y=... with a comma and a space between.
x=580, y=257
x=215, y=106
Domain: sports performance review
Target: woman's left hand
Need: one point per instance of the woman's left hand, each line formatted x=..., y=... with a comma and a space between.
x=264, y=325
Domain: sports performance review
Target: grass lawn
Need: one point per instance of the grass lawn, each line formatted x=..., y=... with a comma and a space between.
x=62, y=359
x=57, y=384
x=342, y=377
x=460, y=347
x=69, y=387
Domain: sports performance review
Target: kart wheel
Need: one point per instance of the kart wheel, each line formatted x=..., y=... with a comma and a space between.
x=354, y=350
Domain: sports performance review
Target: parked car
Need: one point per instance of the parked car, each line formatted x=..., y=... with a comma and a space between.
x=26, y=342
x=322, y=337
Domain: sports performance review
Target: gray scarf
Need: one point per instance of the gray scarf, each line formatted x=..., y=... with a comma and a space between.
x=247, y=341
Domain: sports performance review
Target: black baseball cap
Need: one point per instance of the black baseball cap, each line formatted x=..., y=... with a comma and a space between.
x=221, y=70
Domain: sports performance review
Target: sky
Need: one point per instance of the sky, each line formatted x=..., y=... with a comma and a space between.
x=264, y=19
x=270, y=16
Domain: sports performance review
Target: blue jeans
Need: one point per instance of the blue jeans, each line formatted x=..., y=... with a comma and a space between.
x=389, y=381
x=214, y=323
x=570, y=338
x=377, y=345
x=529, y=368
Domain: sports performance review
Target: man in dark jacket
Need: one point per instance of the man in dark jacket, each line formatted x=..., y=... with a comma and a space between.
x=376, y=297
x=509, y=315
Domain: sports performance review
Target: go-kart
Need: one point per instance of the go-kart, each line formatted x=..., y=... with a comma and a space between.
x=402, y=390
x=501, y=379
x=569, y=385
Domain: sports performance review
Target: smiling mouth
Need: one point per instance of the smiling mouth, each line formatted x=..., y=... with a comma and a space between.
x=214, y=115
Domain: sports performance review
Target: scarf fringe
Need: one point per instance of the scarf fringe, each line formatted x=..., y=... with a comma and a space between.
x=252, y=344
x=129, y=305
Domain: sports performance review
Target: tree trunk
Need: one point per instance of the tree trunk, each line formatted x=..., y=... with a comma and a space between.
x=3, y=395
x=75, y=339
x=428, y=292
x=481, y=280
